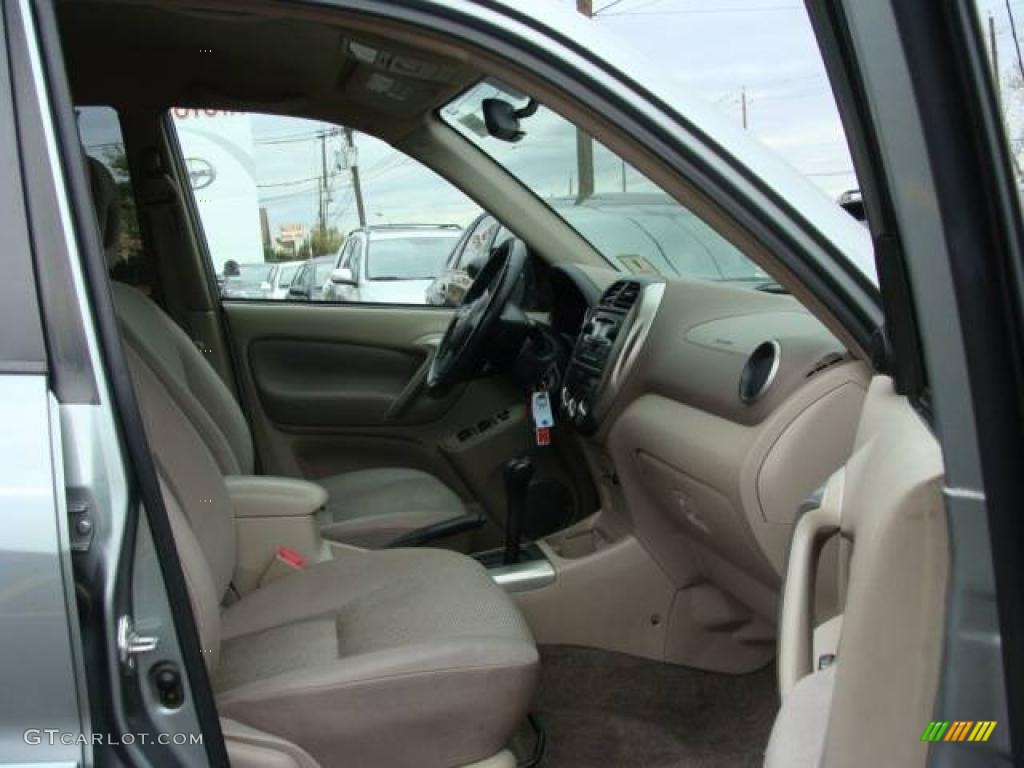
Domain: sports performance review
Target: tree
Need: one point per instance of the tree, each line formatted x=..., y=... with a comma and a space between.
x=325, y=241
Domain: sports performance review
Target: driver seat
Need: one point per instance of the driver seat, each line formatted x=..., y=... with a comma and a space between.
x=368, y=508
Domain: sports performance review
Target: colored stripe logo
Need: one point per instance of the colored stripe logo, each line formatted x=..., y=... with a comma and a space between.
x=958, y=730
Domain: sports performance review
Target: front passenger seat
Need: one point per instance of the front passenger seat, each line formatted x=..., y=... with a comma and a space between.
x=367, y=508
x=404, y=658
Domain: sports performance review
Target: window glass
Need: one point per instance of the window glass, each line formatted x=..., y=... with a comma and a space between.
x=346, y=254
x=99, y=131
x=631, y=221
x=408, y=258
x=275, y=192
x=286, y=274
x=758, y=64
x=1003, y=24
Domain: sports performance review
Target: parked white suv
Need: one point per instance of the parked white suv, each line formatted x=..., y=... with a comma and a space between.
x=390, y=264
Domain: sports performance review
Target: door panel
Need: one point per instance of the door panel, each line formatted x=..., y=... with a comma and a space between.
x=321, y=385
x=333, y=388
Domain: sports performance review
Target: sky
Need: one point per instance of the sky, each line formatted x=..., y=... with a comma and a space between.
x=723, y=51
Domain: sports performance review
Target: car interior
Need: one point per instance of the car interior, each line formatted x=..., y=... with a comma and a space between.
x=733, y=551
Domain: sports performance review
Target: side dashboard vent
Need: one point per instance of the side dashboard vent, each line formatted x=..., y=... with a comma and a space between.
x=621, y=295
x=759, y=372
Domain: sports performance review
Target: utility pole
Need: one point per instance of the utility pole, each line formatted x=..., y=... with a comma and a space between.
x=743, y=105
x=324, y=200
x=623, y=174
x=995, y=61
x=357, y=190
x=584, y=141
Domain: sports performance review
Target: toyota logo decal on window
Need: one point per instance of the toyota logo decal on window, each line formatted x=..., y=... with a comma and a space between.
x=200, y=172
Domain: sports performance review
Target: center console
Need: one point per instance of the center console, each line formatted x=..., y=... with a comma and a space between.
x=611, y=337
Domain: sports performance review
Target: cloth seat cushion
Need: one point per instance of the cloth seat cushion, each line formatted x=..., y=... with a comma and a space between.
x=380, y=658
x=373, y=507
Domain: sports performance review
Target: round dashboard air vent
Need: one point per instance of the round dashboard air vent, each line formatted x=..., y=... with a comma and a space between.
x=759, y=372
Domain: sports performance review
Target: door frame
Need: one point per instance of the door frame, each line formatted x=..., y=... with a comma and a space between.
x=946, y=221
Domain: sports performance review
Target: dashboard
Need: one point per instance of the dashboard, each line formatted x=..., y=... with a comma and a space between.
x=709, y=412
x=728, y=349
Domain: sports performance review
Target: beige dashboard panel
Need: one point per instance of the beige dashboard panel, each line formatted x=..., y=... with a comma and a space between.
x=790, y=469
x=713, y=501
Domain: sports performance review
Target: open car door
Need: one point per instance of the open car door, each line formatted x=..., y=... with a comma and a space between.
x=914, y=87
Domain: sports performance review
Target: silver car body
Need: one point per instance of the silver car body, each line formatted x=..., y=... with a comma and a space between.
x=415, y=256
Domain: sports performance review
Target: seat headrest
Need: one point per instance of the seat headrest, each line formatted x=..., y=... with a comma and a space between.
x=106, y=201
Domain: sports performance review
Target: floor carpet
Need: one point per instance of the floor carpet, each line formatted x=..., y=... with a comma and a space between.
x=603, y=709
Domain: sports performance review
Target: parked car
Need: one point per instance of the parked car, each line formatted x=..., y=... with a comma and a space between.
x=308, y=284
x=390, y=264
x=249, y=281
x=640, y=233
x=284, y=273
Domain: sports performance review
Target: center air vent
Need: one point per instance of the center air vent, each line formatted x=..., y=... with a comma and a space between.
x=759, y=372
x=621, y=295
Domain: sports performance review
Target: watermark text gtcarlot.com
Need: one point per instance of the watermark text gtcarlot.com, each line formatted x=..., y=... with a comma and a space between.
x=53, y=736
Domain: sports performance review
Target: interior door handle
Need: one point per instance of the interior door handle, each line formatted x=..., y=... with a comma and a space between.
x=796, y=638
x=414, y=387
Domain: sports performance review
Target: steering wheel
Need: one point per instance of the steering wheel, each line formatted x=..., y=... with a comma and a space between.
x=473, y=323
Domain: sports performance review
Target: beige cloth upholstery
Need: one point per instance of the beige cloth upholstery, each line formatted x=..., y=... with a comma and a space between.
x=404, y=656
x=798, y=736
x=393, y=658
x=366, y=508
x=199, y=393
x=371, y=507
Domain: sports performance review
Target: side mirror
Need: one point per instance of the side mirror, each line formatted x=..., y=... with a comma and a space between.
x=342, y=276
x=502, y=119
x=297, y=292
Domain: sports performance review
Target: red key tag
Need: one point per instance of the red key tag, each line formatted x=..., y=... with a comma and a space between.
x=543, y=435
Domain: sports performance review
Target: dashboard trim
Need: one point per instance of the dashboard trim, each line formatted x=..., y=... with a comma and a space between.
x=647, y=310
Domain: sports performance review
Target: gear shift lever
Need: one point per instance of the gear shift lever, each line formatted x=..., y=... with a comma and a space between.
x=518, y=473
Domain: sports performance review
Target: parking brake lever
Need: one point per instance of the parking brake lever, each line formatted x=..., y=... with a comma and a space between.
x=518, y=473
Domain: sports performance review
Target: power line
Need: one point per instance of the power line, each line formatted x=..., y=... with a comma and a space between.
x=604, y=8
x=1016, y=43
x=290, y=139
x=289, y=183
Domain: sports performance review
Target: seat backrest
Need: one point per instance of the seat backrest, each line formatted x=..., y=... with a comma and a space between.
x=870, y=706
x=191, y=381
x=194, y=428
x=202, y=396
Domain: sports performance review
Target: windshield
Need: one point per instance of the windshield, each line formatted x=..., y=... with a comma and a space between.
x=408, y=258
x=628, y=219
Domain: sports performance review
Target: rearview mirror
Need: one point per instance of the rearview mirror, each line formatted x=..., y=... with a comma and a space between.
x=342, y=276
x=502, y=119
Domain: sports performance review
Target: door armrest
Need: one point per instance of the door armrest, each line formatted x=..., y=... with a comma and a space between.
x=256, y=496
